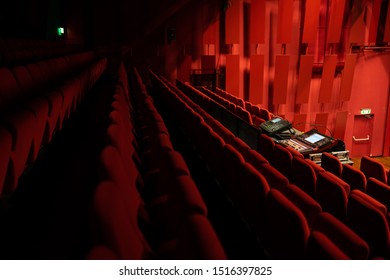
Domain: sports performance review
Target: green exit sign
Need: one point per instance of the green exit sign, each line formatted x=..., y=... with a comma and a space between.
x=365, y=111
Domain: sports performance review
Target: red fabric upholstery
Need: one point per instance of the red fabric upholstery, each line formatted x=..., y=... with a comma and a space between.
x=331, y=164
x=332, y=194
x=198, y=241
x=354, y=177
x=287, y=228
x=368, y=220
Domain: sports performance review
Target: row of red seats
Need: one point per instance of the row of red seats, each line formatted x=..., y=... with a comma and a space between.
x=146, y=205
x=21, y=83
x=259, y=114
x=22, y=51
x=26, y=128
x=289, y=222
x=21, y=44
x=337, y=187
x=202, y=98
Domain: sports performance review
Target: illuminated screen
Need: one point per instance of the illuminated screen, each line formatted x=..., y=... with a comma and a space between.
x=276, y=120
x=314, y=138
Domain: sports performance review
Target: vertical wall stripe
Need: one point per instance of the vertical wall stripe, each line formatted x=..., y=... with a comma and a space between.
x=285, y=18
x=233, y=20
x=304, y=79
x=310, y=27
x=376, y=10
x=357, y=29
x=340, y=125
x=335, y=20
x=300, y=122
x=256, y=80
x=328, y=72
x=233, y=74
x=347, y=77
x=321, y=122
x=282, y=64
x=257, y=22
x=386, y=37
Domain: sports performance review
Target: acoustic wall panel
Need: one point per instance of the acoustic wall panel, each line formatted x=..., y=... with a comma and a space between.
x=328, y=72
x=347, y=77
x=210, y=32
x=335, y=20
x=285, y=19
x=233, y=74
x=321, y=122
x=208, y=64
x=299, y=122
x=340, y=125
x=282, y=64
x=376, y=10
x=184, y=68
x=233, y=22
x=304, y=79
x=257, y=22
x=357, y=29
x=256, y=79
x=310, y=27
x=386, y=37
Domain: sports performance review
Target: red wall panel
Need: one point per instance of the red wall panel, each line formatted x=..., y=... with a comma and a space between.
x=184, y=68
x=347, y=78
x=376, y=10
x=310, y=27
x=285, y=18
x=257, y=22
x=256, y=82
x=233, y=74
x=210, y=33
x=304, y=78
x=386, y=37
x=282, y=64
x=340, y=125
x=328, y=72
x=357, y=28
x=300, y=122
x=233, y=22
x=335, y=20
x=321, y=122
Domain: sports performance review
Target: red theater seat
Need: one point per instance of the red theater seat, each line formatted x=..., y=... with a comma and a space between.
x=373, y=168
x=22, y=127
x=367, y=217
x=113, y=226
x=9, y=88
x=304, y=176
x=266, y=147
x=240, y=146
x=287, y=230
x=331, y=239
x=55, y=112
x=331, y=164
x=332, y=194
x=24, y=79
x=250, y=198
x=100, y=252
x=282, y=160
x=198, y=241
x=379, y=190
x=309, y=207
x=5, y=155
x=354, y=177
x=231, y=163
